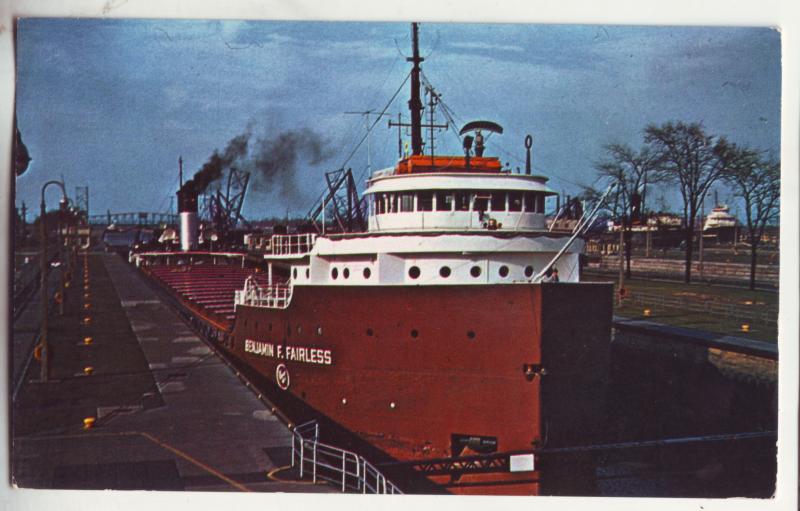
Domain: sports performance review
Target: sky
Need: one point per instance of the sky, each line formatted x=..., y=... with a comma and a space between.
x=112, y=103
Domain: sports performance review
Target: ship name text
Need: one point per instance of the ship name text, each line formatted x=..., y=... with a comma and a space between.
x=292, y=353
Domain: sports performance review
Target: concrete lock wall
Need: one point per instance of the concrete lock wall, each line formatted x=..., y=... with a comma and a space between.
x=765, y=274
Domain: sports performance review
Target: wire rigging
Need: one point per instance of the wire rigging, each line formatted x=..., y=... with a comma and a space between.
x=455, y=121
x=364, y=137
x=356, y=125
x=452, y=117
x=162, y=205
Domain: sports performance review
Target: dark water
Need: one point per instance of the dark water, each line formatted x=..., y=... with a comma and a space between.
x=656, y=393
x=661, y=394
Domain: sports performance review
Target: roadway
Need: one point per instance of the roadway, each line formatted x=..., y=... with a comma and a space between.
x=169, y=414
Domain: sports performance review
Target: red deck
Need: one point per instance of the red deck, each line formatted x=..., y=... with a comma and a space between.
x=208, y=289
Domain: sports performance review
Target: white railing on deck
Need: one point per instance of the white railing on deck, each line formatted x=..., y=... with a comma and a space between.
x=273, y=297
x=346, y=469
x=292, y=244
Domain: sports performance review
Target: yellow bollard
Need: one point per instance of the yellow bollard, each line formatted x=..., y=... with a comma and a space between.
x=87, y=340
x=647, y=312
x=88, y=370
x=87, y=306
x=87, y=320
x=88, y=422
x=745, y=327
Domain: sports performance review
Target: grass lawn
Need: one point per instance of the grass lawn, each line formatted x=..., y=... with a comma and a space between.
x=698, y=293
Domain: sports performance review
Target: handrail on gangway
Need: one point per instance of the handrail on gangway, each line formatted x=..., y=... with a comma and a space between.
x=336, y=465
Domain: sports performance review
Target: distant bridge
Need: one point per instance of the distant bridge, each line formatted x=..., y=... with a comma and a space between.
x=137, y=218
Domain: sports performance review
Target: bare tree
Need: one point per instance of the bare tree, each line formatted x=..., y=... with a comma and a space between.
x=630, y=170
x=758, y=183
x=695, y=160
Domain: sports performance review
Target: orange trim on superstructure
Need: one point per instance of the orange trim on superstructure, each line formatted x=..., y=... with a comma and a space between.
x=421, y=163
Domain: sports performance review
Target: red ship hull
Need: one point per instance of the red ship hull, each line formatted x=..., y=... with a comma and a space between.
x=418, y=371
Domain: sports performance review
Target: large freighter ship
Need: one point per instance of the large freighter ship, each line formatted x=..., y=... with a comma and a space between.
x=454, y=326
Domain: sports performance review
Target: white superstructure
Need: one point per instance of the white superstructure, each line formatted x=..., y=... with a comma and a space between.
x=719, y=217
x=434, y=229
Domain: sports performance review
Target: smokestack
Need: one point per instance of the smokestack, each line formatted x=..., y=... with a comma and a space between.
x=187, y=207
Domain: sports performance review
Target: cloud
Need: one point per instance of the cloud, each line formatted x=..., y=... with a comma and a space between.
x=486, y=46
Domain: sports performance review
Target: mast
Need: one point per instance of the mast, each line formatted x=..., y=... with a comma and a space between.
x=415, y=104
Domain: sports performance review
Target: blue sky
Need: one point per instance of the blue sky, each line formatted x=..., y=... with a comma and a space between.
x=112, y=103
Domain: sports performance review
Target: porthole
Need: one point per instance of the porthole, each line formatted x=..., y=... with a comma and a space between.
x=470, y=334
x=294, y=273
x=475, y=271
x=299, y=329
x=269, y=327
x=444, y=272
x=503, y=271
x=346, y=273
x=370, y=332
x=414, y=272
x=414, y=334
x=319, y=330
x=334, y=273
x=529, y=271
x=367, y=273
x=308, y=273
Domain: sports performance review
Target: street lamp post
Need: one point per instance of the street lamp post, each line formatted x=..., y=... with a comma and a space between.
x=43, y=282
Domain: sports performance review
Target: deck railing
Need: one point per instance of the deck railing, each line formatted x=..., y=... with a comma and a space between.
x=291, y=244
x=346, y=469
x=273, y=297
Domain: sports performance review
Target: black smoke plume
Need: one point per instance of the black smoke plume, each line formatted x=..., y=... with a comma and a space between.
x=272, y=160
x=212, y=169
x=275, y=159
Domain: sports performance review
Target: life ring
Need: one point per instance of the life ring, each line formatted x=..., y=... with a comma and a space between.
x=37, y=352
x=57, y=297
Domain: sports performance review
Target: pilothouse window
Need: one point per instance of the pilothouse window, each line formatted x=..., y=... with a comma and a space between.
x=444, y=201
x=498, y=201
x=462, y=201
x=534, y=202
x=481, y=201
x=406, y=202
x=425, y=201
x=530, y=203
x=515, y=201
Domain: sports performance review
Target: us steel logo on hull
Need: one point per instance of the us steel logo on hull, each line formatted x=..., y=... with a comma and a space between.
x=282, y=376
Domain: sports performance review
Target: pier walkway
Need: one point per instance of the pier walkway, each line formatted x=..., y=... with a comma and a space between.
x=169, y=414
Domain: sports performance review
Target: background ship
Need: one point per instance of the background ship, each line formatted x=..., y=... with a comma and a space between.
x=721, y=225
